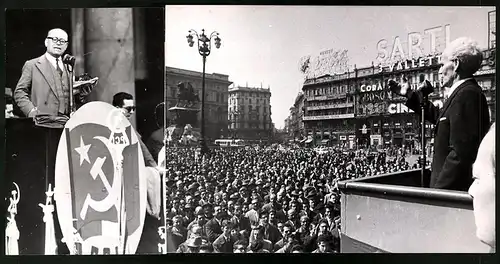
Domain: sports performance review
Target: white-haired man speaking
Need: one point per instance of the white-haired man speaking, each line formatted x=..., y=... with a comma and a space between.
x=463, y=120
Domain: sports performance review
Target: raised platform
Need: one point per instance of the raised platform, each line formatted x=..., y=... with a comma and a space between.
x=392, y=213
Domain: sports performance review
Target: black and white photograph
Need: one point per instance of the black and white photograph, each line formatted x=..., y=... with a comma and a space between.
x=83, y=89
x=250, y=129
x=298, y=129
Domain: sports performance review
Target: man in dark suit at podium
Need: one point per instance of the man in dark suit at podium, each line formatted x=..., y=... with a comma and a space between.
x=461, y=123
x=44, y=83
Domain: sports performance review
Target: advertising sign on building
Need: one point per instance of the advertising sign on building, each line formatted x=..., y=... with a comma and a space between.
x=372, y=98
x=398, y=108
x=431, y=41
x=329, y=62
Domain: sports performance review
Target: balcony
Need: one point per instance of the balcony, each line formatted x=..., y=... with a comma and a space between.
x=329, y=106
x=328, y=117
x=326, y=97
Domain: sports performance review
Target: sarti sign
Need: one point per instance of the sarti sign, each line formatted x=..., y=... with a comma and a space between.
x=438, y=38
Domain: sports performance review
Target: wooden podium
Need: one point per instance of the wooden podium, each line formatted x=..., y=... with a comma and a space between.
x=30, y=162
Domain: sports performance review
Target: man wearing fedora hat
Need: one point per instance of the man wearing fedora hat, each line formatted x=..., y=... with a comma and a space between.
x=193, y=234
x=206, y=247
x=315, y=204
x=193, y=245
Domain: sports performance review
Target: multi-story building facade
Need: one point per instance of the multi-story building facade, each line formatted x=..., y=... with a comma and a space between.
x=292, y=122
x=358, y=108
x=288, y=128
x=296, y=125
x=250, y=113
x=328, y=114
x=216, y=98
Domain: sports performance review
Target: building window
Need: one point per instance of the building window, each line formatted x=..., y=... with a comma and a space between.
x=174, y=92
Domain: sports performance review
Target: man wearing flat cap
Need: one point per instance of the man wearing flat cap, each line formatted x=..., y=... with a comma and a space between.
x=315, y=205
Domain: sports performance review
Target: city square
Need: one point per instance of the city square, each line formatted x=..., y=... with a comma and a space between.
x=285, y=179
x=250, y=129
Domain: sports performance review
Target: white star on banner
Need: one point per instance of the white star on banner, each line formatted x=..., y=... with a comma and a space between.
x=83, y=150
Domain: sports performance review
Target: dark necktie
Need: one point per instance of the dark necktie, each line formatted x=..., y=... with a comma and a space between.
x=58, y=69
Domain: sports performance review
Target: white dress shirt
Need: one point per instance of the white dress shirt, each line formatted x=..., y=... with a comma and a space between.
x=52, y=61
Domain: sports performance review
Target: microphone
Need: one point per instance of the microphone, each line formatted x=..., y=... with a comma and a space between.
x=68, y=59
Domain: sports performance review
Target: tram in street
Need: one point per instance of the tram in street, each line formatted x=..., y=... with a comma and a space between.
x=230, y=142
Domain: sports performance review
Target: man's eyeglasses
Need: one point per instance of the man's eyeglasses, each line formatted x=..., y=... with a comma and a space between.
x=129, y=108
x=58, y=40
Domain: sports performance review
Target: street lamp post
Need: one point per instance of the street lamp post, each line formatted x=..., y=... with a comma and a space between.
x=204, y=48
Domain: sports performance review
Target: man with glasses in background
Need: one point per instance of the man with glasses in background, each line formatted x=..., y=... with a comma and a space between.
x=44, y=84
x=149, y=239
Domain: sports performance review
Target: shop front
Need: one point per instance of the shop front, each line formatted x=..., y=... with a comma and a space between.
x=376, y=140
x=352, y=140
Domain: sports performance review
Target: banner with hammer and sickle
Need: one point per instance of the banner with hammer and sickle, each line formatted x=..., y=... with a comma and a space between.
x=100, y=184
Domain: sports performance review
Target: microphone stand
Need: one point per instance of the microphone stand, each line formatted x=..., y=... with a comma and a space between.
x=71, y=99
x=423, y=104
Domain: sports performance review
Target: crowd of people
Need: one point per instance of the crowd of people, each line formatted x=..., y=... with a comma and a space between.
x=262, y=200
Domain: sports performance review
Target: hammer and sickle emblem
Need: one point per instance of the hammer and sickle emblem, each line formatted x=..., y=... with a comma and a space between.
x=115, y=123
x=113, y=191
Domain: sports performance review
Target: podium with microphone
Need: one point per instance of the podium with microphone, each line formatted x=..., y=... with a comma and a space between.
x=81, y=86
x=423, y=90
